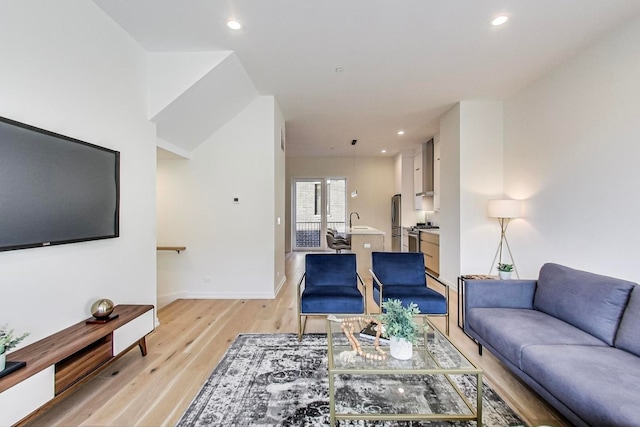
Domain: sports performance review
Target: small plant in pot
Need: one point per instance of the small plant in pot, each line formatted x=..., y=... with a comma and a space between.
x=505, y=270
x=401, y=327
x=8, y=341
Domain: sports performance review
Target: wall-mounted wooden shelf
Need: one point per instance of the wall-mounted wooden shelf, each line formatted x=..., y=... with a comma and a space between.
x=172, y=248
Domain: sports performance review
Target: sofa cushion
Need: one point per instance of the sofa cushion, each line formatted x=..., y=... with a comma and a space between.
x=599, y=384
x=510, y=330
x=592, y=302
x=627, y=338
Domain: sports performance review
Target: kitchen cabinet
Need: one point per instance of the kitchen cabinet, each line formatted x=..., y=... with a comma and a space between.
x=423, y=176
x=436, y=176
x=364, y=241
x=430, y=247
x=405, y=240
x=417, y=180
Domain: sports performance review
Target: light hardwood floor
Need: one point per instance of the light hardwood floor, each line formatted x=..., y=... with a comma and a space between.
x=193, y=336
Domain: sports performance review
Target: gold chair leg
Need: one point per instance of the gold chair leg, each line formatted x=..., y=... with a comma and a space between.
x=446, y=318
x=302, y=324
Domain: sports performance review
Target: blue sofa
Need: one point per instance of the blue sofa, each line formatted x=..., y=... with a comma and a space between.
x=572, y=336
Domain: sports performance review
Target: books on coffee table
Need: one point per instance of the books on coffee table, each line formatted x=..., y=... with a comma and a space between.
x=369, y=333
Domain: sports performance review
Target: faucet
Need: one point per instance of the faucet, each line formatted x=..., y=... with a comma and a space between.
x=350, y=216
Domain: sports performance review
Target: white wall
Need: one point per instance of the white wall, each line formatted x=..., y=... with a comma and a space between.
x=481, y=143
x=571, y=150
x=374, y=182
x=233, y=250
x=471, y=144
x=279, y=208
x=449, y=215
x=68, y=68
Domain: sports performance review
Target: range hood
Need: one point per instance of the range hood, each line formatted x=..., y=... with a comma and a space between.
x=427, y=169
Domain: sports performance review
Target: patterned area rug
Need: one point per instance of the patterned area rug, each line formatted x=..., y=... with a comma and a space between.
x=274, y=380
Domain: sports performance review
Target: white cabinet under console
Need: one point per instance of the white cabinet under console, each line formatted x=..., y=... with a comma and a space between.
x=26, y=396
x=60, y=362
x=132, y=332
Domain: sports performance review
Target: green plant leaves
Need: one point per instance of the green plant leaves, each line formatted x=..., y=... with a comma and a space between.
x=399, y=320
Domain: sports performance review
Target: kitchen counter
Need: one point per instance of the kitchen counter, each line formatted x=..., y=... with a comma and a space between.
x=363, y=229
x=364, y=241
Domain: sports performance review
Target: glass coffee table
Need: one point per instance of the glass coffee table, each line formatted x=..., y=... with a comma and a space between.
x=427, y=387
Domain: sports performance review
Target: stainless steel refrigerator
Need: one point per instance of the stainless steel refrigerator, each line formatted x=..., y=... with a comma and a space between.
x=396, y=224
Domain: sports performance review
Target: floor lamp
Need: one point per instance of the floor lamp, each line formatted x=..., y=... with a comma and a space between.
x=504, y=210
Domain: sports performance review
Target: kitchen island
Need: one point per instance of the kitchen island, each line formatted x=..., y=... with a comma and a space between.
x=364, y=240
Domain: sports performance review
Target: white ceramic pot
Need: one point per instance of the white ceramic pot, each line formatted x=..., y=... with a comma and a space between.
x=505, y=275
x=400, y=348
x=3, y=361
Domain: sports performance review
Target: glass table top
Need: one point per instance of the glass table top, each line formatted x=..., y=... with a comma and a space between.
x=439, y=355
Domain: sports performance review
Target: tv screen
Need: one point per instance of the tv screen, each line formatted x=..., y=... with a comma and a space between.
x=55, y=189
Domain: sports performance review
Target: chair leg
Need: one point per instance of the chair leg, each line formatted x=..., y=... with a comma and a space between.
x=446, y=320
x=301, y=326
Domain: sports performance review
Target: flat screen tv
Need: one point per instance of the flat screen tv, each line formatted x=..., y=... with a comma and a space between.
x=55, y=189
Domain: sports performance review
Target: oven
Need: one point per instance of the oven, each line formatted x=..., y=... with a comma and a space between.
x=414, y=240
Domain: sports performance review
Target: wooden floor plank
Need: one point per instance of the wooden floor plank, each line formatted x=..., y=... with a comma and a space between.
x=192, y=338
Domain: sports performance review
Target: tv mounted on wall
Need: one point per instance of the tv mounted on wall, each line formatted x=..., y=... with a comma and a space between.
x=55, y=189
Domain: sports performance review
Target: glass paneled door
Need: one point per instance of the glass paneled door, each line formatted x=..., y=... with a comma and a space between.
x=318, y=203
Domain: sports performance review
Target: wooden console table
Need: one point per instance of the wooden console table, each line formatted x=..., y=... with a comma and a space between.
x=64, y=360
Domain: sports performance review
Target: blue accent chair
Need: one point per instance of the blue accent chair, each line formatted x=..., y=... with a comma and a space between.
x=402, y=275
x=331, y=286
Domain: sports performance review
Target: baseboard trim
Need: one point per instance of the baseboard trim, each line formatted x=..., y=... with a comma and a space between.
x=169, y=298
x=231, y=295
x=280, y=285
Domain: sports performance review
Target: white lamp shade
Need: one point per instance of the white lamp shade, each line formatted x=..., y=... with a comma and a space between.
x=505, y=208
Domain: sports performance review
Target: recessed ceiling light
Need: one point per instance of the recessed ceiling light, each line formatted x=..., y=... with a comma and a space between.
x=383, y=151
x=499, y=20
x=400, y=132
x=233, y=24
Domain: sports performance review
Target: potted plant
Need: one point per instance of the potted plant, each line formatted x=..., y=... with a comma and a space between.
x=504, y=270
x=8, y=341
x=401, y=327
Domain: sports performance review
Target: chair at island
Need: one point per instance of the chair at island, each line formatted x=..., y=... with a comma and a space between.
x=329, y=285
x=337, y=242
x=402, y=275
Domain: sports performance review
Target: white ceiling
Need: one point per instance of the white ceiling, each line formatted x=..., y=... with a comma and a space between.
x=405, y=61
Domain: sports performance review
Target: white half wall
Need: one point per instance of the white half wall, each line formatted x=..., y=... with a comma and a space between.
x=470, y=147
x=68, y=68
x=571, y=150
x=481, y=144
x=232, y=248
x=449, y=215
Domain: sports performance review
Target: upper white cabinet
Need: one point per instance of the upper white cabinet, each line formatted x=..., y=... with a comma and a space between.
x=417, y=172
x=423, y=176
x=417, y=179
x=436, y=175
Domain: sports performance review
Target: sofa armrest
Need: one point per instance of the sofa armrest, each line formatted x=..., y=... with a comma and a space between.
x=499, y=293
